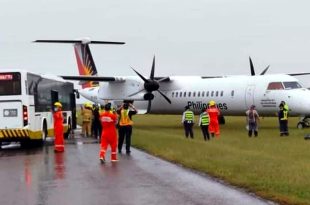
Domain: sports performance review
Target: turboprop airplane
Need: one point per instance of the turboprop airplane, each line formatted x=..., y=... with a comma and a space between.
x=170, y=94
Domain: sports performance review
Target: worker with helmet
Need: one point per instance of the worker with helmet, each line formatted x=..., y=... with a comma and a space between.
x=252, y=119
x=87, y=118
x=58, y=128
x=109, y=136
x=188, y=122
x=214, y=112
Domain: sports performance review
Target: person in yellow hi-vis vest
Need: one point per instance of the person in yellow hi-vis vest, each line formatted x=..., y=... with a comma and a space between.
x=125, y=126
x=87, y=118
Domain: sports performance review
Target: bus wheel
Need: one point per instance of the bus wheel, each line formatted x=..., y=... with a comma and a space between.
x=44, y=132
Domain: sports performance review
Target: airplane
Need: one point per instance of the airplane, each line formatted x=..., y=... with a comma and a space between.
x=234, y=94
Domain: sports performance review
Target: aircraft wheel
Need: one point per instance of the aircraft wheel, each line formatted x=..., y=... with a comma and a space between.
x=300, y=125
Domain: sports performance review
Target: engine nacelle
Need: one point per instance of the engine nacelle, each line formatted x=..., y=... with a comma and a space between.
x=148, y=96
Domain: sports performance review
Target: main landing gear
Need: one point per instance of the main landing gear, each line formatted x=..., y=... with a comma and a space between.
x=304, y=122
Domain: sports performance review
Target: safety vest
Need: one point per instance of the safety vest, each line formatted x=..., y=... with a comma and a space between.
x=285, y=112
x=189, y=115
x=204, y=119
x=124, y=118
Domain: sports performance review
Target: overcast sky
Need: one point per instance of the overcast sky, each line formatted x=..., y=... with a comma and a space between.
x=201, y=37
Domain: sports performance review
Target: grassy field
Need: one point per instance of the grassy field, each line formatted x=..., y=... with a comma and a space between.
x=274, y=167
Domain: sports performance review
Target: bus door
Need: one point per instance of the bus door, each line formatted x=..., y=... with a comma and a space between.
x=73, y=110
x=54, y=97
x=11, y=114
x=249, y=96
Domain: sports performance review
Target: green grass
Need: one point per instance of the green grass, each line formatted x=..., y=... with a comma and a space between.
x=274, y=167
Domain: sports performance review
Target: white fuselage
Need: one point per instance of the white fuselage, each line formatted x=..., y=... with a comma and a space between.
x=233, y=94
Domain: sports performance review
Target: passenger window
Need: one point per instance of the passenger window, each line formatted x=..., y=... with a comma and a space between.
x=176, y=94
x=172, y=95
x=222, y=93
x=275, y=86
x=217, y=93
x=203, y=94
x=207, y=95
x=180, y=94
x=199, y=94
x=184, y=94
x=232, y=93
x=194, y=94
x=189, y=94
x=212, y=93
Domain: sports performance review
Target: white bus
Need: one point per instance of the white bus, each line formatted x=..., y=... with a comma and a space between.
x=26, y=104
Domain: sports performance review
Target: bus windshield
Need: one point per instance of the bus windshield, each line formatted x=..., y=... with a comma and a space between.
x=10, y=84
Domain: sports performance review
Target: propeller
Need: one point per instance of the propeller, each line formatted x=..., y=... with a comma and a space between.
x=151, y=85
x=253, y=71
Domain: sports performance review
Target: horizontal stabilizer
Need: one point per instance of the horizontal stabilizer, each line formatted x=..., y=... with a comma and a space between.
x=91, y=78
x=78, y=41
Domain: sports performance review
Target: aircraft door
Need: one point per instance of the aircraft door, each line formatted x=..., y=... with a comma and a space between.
x=249, y=96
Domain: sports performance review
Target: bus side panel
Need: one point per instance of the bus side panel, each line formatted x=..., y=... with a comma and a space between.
x=11, y=114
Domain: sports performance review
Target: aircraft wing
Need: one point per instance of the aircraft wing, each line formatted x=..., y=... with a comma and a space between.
x=296, y=74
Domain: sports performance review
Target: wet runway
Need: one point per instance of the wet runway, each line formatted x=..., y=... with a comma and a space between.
x=38, y=176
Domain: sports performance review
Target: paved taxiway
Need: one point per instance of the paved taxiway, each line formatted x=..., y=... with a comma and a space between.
x=40, y=176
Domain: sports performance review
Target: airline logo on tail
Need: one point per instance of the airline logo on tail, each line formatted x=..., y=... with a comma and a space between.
x=86, y=64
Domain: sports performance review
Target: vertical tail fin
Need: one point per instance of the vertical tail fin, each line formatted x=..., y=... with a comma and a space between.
x=85, y=63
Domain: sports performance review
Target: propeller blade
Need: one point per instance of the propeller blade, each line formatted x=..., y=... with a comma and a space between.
x=168, y=100
x=136, y=93
x=153, y=69
x=141, y=76
x=252, y=67
x=149, y=106
x=264, y=71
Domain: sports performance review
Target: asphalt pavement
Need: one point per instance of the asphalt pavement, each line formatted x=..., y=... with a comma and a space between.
x=38, y=176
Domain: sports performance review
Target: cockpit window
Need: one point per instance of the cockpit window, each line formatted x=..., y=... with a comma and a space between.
x=291, y=85
x=275, y=86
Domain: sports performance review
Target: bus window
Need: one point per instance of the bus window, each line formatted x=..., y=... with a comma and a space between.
x=291, y=85
x=275, y=86
x=10, y=83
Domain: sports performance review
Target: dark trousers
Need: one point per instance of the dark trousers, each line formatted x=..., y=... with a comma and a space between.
x=252, y=127
x=188, y=127
x=205, y=131
x=124, y=132
x=283, y=127
x=96, y=128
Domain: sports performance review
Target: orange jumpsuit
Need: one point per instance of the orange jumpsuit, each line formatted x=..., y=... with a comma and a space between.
x=109, y=135
x=58, y=131
x=214, y=127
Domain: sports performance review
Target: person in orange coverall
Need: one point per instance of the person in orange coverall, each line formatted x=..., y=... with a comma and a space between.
x=58, y=128
x=109, y=136
x=214, y=112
